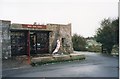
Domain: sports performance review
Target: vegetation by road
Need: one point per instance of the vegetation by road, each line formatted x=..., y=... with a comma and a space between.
x=106, y=39
x=78, y=42
x=108, y=34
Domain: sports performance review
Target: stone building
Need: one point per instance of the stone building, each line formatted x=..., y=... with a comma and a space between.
x=22, y=39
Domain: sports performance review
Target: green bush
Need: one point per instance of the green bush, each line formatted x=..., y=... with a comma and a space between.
x=78, y=43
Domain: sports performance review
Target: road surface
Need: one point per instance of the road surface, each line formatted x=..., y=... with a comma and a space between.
x=95, y=65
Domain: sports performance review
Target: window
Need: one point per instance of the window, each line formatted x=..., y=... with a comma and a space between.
x=63, y=41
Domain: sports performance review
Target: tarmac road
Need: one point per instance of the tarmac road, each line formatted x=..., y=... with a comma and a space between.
x=95, y=65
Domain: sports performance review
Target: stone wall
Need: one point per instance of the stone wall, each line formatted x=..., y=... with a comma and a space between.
x=0, y=49
x=63, y=33
x=5, y=35
x=66, y=39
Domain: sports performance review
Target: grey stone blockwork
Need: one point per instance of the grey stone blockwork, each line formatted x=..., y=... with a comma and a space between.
x=63, y=33
x=5, y=38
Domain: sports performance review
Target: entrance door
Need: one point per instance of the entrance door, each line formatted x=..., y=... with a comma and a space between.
x=32, y=42
x=42, y=42
x=39, y=42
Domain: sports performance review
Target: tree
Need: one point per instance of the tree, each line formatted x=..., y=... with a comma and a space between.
x=78, y=42
x=115, y=27
x=107, y=34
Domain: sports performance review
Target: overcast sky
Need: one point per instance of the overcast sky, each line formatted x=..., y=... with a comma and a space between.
x=85, y=15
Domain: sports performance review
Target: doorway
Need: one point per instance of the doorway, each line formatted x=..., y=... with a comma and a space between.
x=33, y=43
x=39, y=42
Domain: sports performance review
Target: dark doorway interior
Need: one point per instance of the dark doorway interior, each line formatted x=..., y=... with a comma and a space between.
x=39, y=42
x=33, y=43
x=42, y=42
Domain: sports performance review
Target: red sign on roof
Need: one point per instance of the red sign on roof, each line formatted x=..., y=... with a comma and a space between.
x=34, y=26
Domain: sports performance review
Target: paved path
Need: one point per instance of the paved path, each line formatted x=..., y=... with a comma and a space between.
x=95, y=65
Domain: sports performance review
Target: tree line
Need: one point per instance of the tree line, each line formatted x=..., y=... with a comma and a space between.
x=107, y=35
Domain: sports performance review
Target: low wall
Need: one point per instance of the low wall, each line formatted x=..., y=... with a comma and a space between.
x=56, y=58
